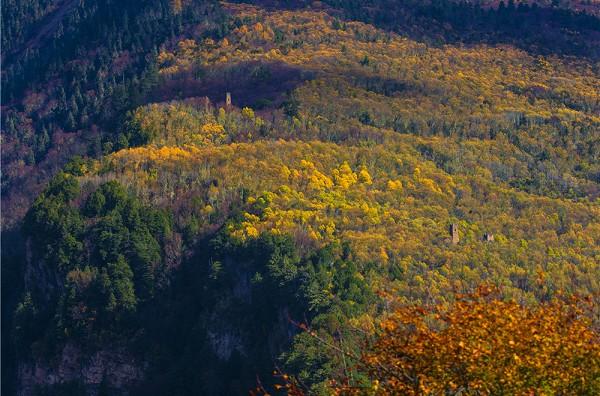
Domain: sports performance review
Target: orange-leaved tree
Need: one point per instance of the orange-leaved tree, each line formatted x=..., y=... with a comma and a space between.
x=480, y=345
x=484, y=345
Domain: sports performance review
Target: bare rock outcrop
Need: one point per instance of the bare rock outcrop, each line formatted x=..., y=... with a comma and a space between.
x=118, y=368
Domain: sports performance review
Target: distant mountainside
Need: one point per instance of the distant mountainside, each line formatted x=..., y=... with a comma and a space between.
x=588, y=6
x=186, y=182
x=71, y=74
x=72, y=70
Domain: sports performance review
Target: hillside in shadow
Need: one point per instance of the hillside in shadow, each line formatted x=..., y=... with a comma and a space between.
x=539, y=30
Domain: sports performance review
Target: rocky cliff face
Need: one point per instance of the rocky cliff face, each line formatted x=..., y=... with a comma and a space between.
x=118, y=369
x=114, y=366
x=229, y=337
x=39, y=277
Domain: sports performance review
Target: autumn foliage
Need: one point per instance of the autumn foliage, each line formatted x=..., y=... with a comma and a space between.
x=279, y=163
x=485, y=346
x=481, y=345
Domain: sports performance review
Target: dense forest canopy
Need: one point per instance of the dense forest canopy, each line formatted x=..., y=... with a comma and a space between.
x=196, y=193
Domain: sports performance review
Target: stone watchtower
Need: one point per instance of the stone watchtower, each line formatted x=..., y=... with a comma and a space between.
x=454, y=233
x=228, y=100
x=488, y=237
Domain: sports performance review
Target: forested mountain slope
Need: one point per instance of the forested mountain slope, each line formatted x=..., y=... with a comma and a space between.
x=71, y=70
x=177, y=252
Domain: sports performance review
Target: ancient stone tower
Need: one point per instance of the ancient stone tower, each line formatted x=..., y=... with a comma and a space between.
x=454, y=233
x=488, y=237
x=228, y=100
